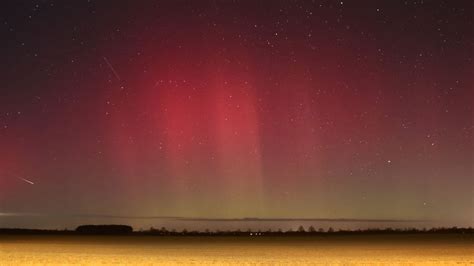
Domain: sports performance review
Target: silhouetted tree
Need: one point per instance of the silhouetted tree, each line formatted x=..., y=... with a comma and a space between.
x=104, y=229
x=301, y=229
x=311, y=229
x=99, y=229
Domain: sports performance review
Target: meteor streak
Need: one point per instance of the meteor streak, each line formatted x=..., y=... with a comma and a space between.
x=26, y=180
x=112, y=68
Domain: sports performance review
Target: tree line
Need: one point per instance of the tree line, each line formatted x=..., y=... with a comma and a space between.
x=300, y=231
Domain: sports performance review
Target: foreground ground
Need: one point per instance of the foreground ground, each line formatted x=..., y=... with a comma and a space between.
x=132, y=250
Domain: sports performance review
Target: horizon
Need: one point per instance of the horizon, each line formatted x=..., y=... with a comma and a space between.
x=213, y=224
x=112, y=229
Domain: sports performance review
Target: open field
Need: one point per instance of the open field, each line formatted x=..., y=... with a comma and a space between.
x=372, y=249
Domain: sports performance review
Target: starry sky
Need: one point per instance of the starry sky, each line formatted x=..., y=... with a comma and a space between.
x=233, y=109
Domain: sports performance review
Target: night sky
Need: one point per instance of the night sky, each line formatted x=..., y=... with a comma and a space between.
x=233, y=109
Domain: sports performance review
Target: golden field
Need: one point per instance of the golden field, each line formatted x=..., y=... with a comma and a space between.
x=148, y=250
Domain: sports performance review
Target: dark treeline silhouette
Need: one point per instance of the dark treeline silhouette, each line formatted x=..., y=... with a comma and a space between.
x=111, y=229
x=301, y=231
